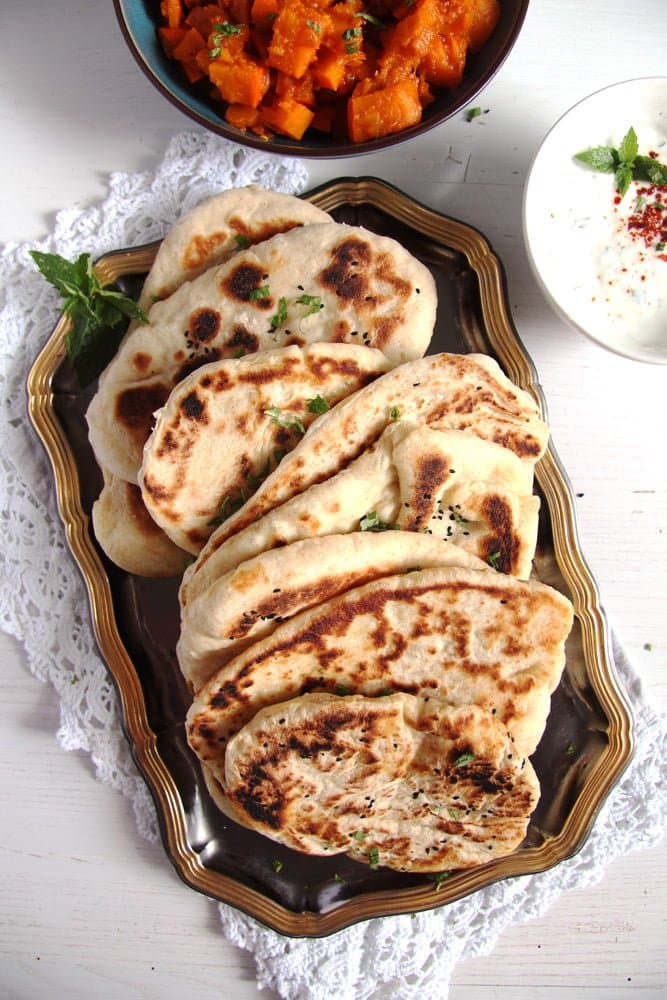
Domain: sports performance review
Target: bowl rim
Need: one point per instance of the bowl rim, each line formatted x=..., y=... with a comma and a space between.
x=465, y=93
x=556, y=306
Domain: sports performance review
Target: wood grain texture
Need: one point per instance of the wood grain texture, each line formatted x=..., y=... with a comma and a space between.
x=87, y=907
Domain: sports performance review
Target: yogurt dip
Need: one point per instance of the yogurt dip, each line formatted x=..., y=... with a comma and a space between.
x=600, y=257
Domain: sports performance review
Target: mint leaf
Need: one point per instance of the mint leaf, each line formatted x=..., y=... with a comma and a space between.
x=648, y=169
x=602, y=158
x=629, y=147
x=623, y=177
x=98, y=316
x=317, y=404
x=371, y=522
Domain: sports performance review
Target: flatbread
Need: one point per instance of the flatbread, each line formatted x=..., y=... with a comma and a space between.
x=323, y=282
x=456, y=636
x=219, y=227
x=250, y=601
x=468, y=393
x=225, y=426
x=130, y=537
x=471, y=493
x=382, y=781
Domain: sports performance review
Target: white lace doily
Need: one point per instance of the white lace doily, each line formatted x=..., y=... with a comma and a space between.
x=403, y=958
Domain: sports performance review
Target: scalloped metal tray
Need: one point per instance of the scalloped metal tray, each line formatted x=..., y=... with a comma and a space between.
x=588, y=739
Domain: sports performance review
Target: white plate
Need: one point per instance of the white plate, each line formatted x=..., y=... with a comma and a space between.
x=605, y=283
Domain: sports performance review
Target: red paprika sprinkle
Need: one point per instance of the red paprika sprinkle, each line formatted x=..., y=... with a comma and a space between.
x=648, y=221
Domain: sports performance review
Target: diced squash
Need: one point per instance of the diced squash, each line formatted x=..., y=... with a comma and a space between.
x=481, y=18
x=172, y=12
x=262, y=10
x=383, y=112
x=288, y=117
x=443, y=64
x=297, y=34
x=241, y=115
x=328, y=70
x=242, y=81
x=170, y=37
x=191, y=43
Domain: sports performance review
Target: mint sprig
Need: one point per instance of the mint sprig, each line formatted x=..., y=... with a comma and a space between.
x=625, y=163
x=98, y=315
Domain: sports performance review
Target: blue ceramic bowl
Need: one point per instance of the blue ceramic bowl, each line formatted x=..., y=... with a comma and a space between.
x=138, y=20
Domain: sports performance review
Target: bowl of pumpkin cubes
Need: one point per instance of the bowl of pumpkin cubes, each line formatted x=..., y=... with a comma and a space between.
x=320, y=78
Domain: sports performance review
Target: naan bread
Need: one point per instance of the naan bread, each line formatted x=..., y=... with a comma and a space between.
x=452, y=635
x=383, y=781
x=252, y=599
x=323, y=282
x=444, y=391
x=226, y=425
x=450, y=485
x=208, y=234
x=219, y=227
x=130, y=537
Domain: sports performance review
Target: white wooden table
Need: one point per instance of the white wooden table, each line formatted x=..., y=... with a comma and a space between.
x=87, y=907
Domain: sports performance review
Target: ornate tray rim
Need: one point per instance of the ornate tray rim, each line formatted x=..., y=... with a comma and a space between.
x=553, y=482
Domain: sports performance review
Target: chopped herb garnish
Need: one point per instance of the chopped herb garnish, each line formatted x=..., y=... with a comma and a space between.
x=277, y=865
x=374, y=858
x=351, y=33
x=98, y=315
x=359, y=835
x=371, y=522
x=342, y=690
x=351, y=48
x=317, y=405
x=226, y=28
x=263, y=292
x=376, y=22
x=338, y=878
x=240, y=353
x=493, y=559
x=314, y=26
x=241, y=241
x=571, y=749
x=438, y=878
x=281, y=315
x=648, y=646
x=314, y=303
x=463, y=759
x=473, y=113
x=395, y=413
x=289, y=420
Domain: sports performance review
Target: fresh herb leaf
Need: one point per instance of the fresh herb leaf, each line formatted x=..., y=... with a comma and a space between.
x=602, y=158
x=395, y=413
x=226, y=28
x=625, y=163
x=242, y=241
x=493, y=559
x=288, y=421
x=371, y=19
x=571, y=749
x=351, y=48
x=317, y=404
x=648, y=646
x=473, y=113
x=98, y=316
x=338, y=878
x=374, y=858
x=359, y=835
x=351, y=33
x=463, y=759
x=280, y=316
x=623, y=177
x=263, y=292
x=371, y=522
x=629, y=147
x=314, y=303
x=277, y=865
x=648, y=169
x=314, y=26
x=438, y=878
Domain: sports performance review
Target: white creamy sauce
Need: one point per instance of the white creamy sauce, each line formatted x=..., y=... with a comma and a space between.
x=618, y=284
